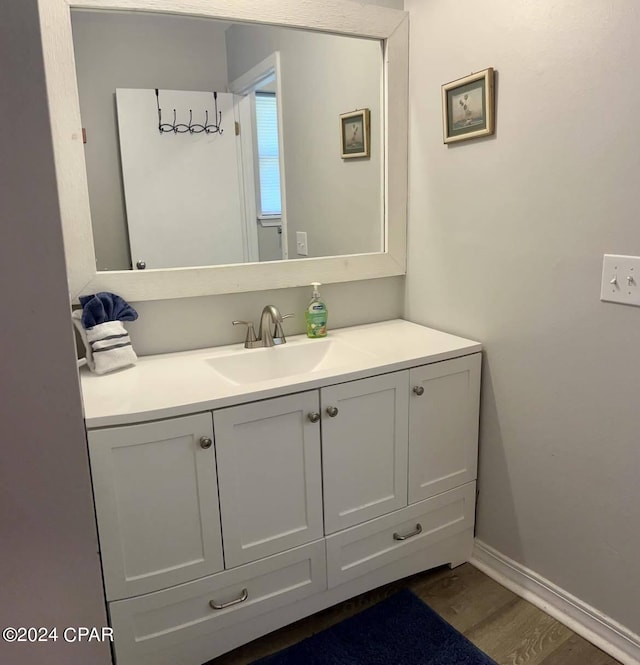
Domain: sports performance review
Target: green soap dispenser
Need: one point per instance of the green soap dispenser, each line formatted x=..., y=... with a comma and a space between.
x=316, y=314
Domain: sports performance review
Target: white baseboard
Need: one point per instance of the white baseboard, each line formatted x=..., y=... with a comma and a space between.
x=586, y=621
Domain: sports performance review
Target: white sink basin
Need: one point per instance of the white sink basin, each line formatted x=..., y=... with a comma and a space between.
x=299, y=357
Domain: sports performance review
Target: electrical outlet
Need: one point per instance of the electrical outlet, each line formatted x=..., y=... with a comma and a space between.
x=301, y=243
x=621, y=279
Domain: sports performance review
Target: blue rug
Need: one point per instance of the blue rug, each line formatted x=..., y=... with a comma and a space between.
x=400, y=630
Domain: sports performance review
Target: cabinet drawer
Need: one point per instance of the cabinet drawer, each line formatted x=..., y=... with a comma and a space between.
x=148, y=625
x=364, y=548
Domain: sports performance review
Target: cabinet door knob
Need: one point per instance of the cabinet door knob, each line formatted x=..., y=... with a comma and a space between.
x=205, y=442
x=418, y=390
x=314, y=417
x=243, y=596
x=332, y=411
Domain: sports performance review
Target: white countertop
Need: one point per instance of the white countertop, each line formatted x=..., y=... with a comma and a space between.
x=176, y=384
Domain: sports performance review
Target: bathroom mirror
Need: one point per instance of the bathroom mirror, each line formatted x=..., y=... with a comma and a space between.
x=182, y=177
x=362, y=234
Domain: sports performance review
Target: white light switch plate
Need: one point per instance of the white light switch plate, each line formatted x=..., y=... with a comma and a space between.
x=301, y=243
x=621, y=279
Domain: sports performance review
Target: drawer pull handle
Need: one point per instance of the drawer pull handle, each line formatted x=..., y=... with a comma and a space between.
x=418, y=390
x=214, y=606
x=332, y=411
x=314, y=417
x=418, y=530
x=205, y=442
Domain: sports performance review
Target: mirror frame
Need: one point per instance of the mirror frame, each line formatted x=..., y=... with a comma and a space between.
x=336, y=16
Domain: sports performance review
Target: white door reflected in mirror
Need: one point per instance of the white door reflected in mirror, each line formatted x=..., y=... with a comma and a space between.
x=180, y=167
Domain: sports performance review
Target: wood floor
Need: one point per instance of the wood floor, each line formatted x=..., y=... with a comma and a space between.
x=509, y=629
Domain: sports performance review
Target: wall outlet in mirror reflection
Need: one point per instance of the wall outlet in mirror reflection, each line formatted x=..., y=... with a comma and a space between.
x=301, y=243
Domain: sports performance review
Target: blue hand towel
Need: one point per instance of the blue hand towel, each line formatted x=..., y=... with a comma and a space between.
x=102, y=307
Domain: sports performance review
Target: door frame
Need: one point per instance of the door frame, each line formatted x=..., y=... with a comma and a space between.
x=243, y=86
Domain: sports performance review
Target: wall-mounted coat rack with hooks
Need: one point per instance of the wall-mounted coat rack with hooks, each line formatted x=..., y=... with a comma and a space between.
x=191, y=128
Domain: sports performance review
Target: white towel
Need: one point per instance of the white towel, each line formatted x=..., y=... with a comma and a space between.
x=108, y=346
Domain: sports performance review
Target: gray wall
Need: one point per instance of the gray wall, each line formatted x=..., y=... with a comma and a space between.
x=114, y=50
x=193, y=323
x=337, y=202
x=506, y=238
x=49, y=568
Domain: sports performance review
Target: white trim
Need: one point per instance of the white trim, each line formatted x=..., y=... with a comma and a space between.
x=244, y=85
x=253, y=77
x=284, y=235
x=248, y=226
x=596, y=627
x=338, y=16
x=242, y=107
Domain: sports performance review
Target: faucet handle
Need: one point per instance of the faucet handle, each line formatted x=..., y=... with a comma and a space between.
x=251, y=333
x=278, y=333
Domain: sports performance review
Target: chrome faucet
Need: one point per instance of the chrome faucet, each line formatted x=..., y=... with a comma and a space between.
x=268, y=335
x=270, y=332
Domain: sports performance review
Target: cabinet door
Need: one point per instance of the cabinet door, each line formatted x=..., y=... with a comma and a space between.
x=443, y=426
x=156, y=504
x=269, y=472
x=364, y=449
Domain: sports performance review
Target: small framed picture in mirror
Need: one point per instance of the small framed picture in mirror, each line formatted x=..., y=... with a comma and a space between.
x=355, y=134
x=468, y=107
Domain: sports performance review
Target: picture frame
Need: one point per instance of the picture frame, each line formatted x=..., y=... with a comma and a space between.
x=468, y=107
x=355, y=134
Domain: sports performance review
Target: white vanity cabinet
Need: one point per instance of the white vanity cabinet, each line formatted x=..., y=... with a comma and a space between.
x=277, y=502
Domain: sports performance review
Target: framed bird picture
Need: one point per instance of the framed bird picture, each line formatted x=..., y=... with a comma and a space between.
x=468, y=107
x=355, y=134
